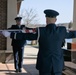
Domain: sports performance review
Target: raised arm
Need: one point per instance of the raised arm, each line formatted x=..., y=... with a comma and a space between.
x=71, y=34
x=68, y=34
x=26, y=36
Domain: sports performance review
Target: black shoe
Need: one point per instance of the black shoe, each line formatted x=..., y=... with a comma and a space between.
x=20, y=70
x=16, y=70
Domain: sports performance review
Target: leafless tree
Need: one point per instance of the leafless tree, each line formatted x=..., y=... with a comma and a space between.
x=29, y=17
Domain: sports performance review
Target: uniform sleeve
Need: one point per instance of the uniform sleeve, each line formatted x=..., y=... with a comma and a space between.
x=70, y=34
x=30, y=36
x=25, y=36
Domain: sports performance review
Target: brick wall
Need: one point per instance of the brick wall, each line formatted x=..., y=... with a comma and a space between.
x=3, y=22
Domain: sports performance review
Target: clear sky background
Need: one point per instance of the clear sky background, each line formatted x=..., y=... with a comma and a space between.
x=64, y=7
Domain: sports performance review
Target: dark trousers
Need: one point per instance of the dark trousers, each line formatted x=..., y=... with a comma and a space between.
x=49, y=73
x=18, y=56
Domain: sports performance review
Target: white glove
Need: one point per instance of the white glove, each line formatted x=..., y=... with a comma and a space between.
x=6, y=33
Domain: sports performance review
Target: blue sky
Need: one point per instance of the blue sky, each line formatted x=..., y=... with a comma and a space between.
x=64, y=7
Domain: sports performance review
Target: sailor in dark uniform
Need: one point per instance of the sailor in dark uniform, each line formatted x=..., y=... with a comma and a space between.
x=50, y=38
x=18, y=45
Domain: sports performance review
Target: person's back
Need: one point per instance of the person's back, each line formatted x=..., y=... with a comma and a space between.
x=50, y=52
x=51, y=36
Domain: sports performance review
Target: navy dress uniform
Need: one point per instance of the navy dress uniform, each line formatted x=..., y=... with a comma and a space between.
x=18, y=46
x=50, y=38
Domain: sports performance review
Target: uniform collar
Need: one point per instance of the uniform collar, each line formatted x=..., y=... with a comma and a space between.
x=51, y=25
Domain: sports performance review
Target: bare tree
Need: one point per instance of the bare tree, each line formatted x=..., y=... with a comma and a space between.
x=29, y=17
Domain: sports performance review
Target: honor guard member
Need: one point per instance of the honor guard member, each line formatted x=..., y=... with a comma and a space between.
x=50, y=38
x=18, y=45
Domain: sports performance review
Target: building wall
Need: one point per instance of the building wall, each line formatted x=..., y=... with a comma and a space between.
x=3, y=22
x=11, y=14
x=8, y=11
